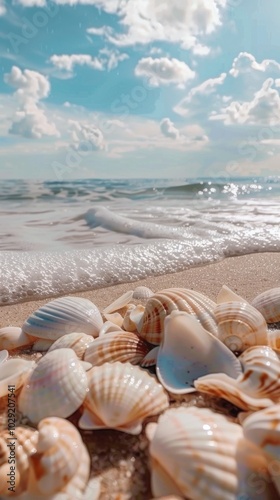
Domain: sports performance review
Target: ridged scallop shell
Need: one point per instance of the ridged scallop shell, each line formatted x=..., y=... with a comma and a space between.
x=62, y=316
x=142, y=293
x=56, y=387
x=188, y=351
x=268, y=303
x=162, y=303
x=116, y=346
x=25, y=439
x=120, y=397
x=12, y=337
x=14, y=372
x=240, y=326
x=61, y=463
x=79, y=342
x=196, y=453
x=258, y=387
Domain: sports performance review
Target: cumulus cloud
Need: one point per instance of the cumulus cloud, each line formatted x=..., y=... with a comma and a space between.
x=86, y=137
x=107, y=59
x=168, y=129
x=192, y=136
x=263, y=109
x=245, y=63
x=164, y=71
x=30, y=119
x=2, y=8
x=204, y=89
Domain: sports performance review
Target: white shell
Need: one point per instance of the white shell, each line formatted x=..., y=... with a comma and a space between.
x=142, y=293
x=109, y=326
x=62, y=316
x=14, y=373
x=240, y=325
x=188, y=351
x=258, y=387
x=120, y=397
x=119, y=303
x=79, y=342
x=162, y=303
x=12, y=337
x=118, y=346
x=268, y=303
x=56, y=387
x=132, y=318
x=61, y=463
x=3, y=356
x=194, y=453
x=227, y=295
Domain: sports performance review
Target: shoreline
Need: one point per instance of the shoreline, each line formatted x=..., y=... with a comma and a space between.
x=247, y=275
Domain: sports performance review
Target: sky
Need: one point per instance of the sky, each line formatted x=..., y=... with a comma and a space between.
x=139, y=88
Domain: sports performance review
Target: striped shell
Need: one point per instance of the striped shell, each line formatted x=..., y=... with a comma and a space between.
x=268, y=303
x=56, y=387
x=79, y=342
x=62, y=316
x=14, y=372
x=161, y=304
x=118, y=346
x=25, y=439
x=194, y=454
x=120, y=397
x=240, y=326
x=61, y=463
x=142, y=293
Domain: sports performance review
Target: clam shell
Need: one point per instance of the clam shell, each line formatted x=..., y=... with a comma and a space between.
x=240, y=326
x=118, y=346
x=268, y=303
x=12, y=337
x=61, y=463
x=188, y=351
x=14, y=372
x=56, y=387
x=62, y=316
x=26, y=440
x=258, y=387
x=195, y=453
x=79, y=342
x=161, y=304
x=3, y=356
x=120, y=397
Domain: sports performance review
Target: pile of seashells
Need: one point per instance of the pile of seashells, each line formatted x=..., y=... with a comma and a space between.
x=184, y=342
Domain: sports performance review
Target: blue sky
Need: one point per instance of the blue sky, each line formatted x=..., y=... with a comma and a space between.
x=130, y=88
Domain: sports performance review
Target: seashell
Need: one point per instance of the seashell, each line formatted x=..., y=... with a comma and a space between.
x=3, y=356
x=119, y=304
x=14, y=372
x=62, y=316
x=79, y=342
x=161, y=304
x=115, y=318
x=108, y=327
x=132, y=318
x=196, y=453
x=61, y=463
x=12, y=337
x=150, y=359
x=227, y=295
x=258, y=387
x=120, y=397
x=268, y=304
x=42, y=345
x=274, y=339
x=188, y=351
x=118, y=346
x=142, y=293
x=240, y=326
x=56, y=387
x=26, y=440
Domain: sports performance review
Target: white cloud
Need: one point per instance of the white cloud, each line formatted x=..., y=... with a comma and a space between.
x=245, y=63
x=2, y=8
x=164, y=71
x=168, y=129
x=102, y=31
x=30, y=120
x=204, y=89
x=107, y=59
x=86, y=137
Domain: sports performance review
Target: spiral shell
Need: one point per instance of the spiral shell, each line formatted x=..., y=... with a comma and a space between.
x=240, y=326
x=161, y=304
x=56, y=387
x=120, y=397
x=79, y=342
x=268, y=303
x=118, y=346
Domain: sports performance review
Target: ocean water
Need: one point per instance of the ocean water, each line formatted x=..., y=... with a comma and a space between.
x=60, y=237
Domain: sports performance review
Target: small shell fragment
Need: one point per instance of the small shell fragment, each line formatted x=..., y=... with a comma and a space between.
x=12, y=337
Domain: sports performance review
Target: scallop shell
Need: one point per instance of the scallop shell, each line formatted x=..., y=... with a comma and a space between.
x=62, y=316
x=188, y=351
x=14, y=373
x=120, y=397
x=3, y=356
x=195, y=453
x=268, y=303
x=56, y=387
x=12, y=337
x=142, y=293
x=161, y=304
x=258, y=387
x=240, y=326
x=79, y=342
x=61, y=463
x=116, y=346
x=25, y=439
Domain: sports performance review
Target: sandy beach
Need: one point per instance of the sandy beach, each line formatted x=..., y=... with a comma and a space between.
x=121, y=461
